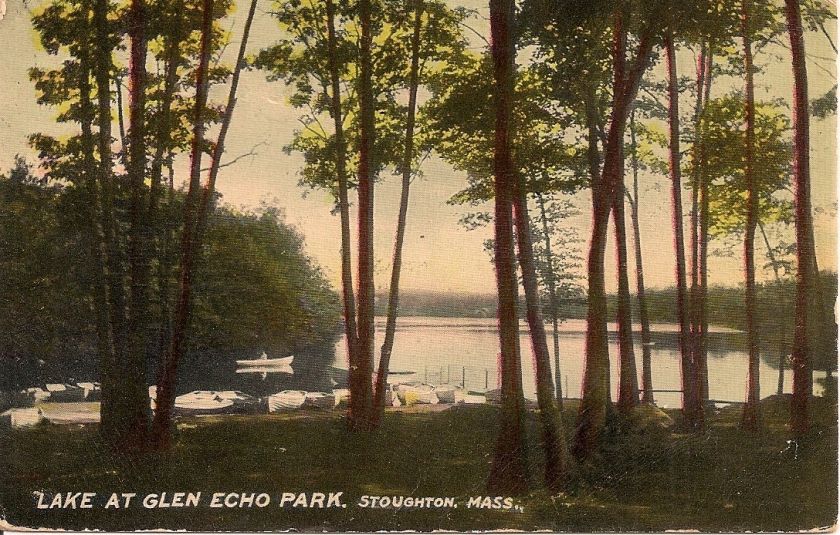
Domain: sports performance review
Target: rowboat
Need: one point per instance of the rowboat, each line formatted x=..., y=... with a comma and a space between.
x=286, y=400
x=319, y=400
x=241, y=402
x=264, y=361
x=16, y=418
x=202, y=402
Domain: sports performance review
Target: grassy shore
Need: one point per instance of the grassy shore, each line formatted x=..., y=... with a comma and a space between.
x=722, y=480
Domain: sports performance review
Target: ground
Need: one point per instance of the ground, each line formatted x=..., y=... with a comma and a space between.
x=653, y=481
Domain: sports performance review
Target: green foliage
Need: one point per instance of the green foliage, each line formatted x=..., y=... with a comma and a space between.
x=300, y=60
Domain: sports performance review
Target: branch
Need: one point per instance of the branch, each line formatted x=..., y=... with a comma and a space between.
x=251, y=152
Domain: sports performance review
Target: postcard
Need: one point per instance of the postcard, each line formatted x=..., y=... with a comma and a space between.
x=418, y=265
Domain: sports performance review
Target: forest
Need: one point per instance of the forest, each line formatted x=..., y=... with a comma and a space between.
x=120, y=256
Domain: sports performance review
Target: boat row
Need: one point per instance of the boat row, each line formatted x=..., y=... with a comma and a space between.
x=53, y=392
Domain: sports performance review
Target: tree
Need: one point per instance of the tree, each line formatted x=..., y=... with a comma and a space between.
x=509, y=471
x=807, y=272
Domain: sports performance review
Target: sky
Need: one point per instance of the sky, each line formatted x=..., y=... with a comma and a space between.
x=439, y=255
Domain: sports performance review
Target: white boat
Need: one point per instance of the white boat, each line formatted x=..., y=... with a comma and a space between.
x=73, y=416
x=282, y=368
x=319, y=400
x=286, y=400
x=202, y=402
x=264, y=361
x=17, y=418
x=445, y=393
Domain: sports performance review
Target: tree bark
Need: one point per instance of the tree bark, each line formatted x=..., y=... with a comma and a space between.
x=112, y=424
x=396, y=265
x=751, y=414
x=96, y=238
x=347, y=292
x=702, y=367
x=509, y=470
x=162, y=424
x=691, y=410
x=554, y=440
x=361, y=388
x=133, y=368
x=696, y=322
x=806, y=273
x=551, y=283
x=628, y=382
x=647, y=371
x=593, y=407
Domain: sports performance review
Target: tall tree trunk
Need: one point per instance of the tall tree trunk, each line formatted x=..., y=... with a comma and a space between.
x=751, y=415
x=396, y=264
x=702, y=360
x=551, y=283
x=509, y=471
x=593, y=409
x=361, y=388
x=347, y=292
x=628, y=385
x=133, y=368
x=554, y=441
x=96, y=236
x=112, y=424
x=696, y=304
x=162, y=424
x=647, y=371
x=806, y=273
x=691, y=410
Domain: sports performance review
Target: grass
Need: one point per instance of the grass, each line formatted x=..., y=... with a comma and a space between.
x=721, y=480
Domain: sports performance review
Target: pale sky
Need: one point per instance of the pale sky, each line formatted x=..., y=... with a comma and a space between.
x=439, y=255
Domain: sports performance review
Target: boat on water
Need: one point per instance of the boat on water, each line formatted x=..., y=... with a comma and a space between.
x=286, y=400
x=319, y=400
x=265, y=370
x=202, y=402
x=264, y=361
x=242, y=402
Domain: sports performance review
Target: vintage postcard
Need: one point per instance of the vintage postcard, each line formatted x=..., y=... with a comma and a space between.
x=418, y=265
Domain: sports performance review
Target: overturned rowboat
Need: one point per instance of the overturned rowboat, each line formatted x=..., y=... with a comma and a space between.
x=286, y=400
x=264, y=361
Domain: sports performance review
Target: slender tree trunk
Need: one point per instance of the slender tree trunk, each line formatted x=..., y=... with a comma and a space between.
x=361, y=388
x=628, y=386
x=702, y=367
x=780, y=386
x=112, y=424
x=647, y=371
x=751, y=415
x=347, y=292
x=696, y=304
x=396, y=266
x=509, y=471
x=593, y=410
x=133, y=368
x=691, y=411
x=553, y=302
x=162, y=424
x=554, y=440
x=96, y=237
x=806, y=273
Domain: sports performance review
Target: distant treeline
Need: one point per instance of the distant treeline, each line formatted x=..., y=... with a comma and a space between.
x=725, y=306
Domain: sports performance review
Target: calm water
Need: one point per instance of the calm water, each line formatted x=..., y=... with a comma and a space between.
x=465, y=349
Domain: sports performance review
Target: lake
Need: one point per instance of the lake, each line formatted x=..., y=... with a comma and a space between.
x=456, y=350
x=464, y=351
